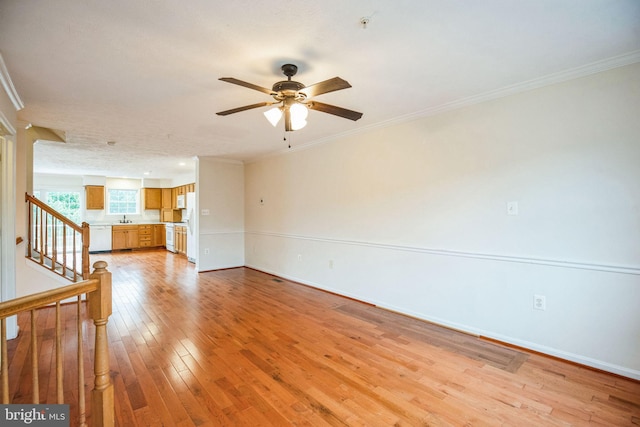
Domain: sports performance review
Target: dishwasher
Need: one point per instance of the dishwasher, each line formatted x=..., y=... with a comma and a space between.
x=99, y=238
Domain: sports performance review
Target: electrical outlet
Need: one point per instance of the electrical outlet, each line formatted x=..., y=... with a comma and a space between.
x=540, y=302
x=330, y=263
x=206, y=251
x=299, y=257
x=512, y=208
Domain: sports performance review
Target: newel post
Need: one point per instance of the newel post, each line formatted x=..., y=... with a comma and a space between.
x=102, y=404
x=85, y=251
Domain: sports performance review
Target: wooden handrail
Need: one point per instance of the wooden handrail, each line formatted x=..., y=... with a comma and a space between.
x=98, y=291
x=53, y=212
x=47, y=234
x=41, y=299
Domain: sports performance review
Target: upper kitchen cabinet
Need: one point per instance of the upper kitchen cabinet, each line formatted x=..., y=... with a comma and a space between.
x=180, y=193
x=94, y=197
x=166, y=198
x=153, y=198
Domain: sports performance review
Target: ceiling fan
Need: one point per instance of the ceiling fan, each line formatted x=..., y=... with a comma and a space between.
x=294, y=101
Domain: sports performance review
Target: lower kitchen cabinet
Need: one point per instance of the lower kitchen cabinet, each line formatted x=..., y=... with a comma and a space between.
x=144, y=235
x=137, y=236
x=124, y=237
x=180, y=237
x=158, y=235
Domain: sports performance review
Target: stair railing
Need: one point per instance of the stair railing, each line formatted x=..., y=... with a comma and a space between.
x=98, y=291
x=56, y=242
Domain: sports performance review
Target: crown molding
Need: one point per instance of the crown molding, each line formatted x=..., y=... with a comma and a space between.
x=8, y=86
x=548, y=80
x=5, y=126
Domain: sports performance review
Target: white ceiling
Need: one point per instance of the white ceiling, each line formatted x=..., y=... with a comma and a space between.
x=145, y=73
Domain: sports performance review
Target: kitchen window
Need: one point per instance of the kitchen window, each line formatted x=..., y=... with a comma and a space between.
x=65, y=202
x=123, y=202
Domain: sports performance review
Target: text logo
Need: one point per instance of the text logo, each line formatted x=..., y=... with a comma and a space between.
x=34, y=415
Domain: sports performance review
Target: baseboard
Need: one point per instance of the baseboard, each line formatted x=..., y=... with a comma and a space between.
x=560, y=359
x=525, y=346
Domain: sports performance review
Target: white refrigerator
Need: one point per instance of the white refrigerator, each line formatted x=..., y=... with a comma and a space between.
x=192, y=228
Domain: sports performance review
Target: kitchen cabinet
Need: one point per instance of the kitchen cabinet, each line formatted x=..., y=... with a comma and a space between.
x=171, y=215
x=137, y=236
x=181, y=190
x=125, y=237
x=166, y=198
x=174, y=198
x=153, y=198
x=180, y=239
x=144, y=236
x=158, y=235
x=94, y=197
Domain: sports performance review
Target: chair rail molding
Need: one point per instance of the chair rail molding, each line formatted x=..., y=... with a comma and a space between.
x=610, y=268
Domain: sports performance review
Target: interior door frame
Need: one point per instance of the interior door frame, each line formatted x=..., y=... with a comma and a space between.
x=7, y=219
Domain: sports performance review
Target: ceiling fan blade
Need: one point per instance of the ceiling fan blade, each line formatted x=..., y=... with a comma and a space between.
x=246, y=107
x=336, y=111
x=330, y=85
x=245, y=84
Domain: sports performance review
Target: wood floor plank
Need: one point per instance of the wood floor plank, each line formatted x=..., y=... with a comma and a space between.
x=239, y=347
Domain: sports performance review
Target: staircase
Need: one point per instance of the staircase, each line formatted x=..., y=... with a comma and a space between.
x=62, y=247
x=57, y=243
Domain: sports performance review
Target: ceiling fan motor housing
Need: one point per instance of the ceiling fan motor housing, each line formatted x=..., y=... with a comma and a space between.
x=288, y=88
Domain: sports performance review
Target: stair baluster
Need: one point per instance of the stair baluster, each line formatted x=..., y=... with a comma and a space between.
x=57, y=243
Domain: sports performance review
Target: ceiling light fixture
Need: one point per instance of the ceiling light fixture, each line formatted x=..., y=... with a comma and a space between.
x=292, y=100
x=274, y=115
x=297, y=114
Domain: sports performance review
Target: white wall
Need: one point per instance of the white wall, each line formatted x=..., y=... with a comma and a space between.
x=413, y=217
x=8, y=124
x=188, y=177
x=220, y=190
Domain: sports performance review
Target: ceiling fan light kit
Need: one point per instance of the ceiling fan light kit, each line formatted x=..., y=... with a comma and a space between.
x=273, y=115
x=292, y=97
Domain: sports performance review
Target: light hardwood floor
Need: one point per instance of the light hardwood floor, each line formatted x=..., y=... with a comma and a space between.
x=242, y=348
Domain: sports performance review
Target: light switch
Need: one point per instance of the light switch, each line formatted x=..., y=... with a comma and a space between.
x=204, y=212
x=512, y=208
